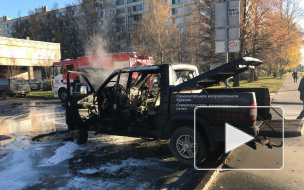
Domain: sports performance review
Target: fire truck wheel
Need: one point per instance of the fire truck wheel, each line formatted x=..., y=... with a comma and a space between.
x=3, y=95
x=63, y=95
x=182, y=146
x=80, y=136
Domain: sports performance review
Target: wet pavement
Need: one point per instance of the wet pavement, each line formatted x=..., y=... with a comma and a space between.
x=105, y=162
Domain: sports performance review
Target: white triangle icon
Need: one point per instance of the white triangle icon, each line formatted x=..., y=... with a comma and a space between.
x=235, y=138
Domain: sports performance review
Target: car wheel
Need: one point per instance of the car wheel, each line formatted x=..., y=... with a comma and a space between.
x=80, y=136
x=182, y=146
x=3, y=95
x=63, y=95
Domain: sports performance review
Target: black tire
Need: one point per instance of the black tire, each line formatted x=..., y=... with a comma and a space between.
x=81, y=136
x=181, y=143
x=63, y=95
x=3, y=95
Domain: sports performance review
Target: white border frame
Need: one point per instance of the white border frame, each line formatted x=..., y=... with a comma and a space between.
x=226, y=169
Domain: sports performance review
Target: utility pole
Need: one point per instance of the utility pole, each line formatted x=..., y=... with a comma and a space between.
x=226, y=39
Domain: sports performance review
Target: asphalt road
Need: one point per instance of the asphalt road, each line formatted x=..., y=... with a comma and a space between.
x=105, y=162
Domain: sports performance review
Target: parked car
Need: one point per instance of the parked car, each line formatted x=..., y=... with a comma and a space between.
x=243, y=76
x=46, y=86
x=35, y=84
x=13, y=87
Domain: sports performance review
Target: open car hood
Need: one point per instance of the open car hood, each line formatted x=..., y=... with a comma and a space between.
x=95, y=75
x=220, y=73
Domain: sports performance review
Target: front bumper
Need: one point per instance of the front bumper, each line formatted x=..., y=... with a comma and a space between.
x=55, y=93
x=22, y=92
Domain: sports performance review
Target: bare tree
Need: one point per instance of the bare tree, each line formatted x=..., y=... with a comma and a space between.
x=46, y=67
x=199, y=35
x=157, y=33
x=13, y=67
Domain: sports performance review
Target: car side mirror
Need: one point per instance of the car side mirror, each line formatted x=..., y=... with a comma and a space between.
x=83, y=90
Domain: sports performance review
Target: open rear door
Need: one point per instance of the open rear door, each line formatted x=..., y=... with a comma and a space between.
x=220, y=73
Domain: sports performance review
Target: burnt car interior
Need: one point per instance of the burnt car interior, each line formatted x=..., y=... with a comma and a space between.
x=127, y=101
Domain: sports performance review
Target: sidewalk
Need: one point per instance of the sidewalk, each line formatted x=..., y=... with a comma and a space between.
x=292, y=175
x=288, y=97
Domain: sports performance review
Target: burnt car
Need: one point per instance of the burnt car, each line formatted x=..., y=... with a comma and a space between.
x=158, y=102
x=35, y=84
x=13, y=87
x=46, y=86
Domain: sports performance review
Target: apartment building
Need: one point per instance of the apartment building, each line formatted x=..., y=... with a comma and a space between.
x=112, y=21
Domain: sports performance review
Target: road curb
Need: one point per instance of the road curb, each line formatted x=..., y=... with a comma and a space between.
x=41, y=97
x=211, y=175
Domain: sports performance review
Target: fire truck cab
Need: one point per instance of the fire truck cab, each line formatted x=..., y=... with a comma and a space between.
x=109, y=61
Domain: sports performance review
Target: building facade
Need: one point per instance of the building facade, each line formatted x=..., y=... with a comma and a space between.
x=106, y=22
x=27, y=59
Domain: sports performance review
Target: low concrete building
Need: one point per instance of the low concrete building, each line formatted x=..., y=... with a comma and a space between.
x=26, y=58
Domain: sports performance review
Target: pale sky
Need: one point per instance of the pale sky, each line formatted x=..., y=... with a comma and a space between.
x=11, y=8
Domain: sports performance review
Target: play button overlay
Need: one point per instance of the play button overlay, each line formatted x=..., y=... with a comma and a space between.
x=230, y=133
x=235, y=138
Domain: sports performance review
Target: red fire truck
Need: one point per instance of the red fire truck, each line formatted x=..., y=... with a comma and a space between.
x=110, y=61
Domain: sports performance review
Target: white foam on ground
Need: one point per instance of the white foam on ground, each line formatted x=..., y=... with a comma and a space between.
x=16, y=144
x=19, y=169
x=89, y=171
x=130, y=162
x=100, y=183
x=85, y=183
x=62, y=153
x=16, y=170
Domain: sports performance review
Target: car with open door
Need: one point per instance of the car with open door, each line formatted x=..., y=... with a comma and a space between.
x=158, y=102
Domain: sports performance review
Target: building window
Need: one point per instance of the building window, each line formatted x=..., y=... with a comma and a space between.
x=130, y=28
x=181, y=29
x=122, y=28
x=179, y=20
x=137, y=17
x=134, y=8
x=7, y=25
x=120, y=2
x=73, y=12
x=134, y=18
x=133, y=1
x=113, y=12
x=102, y=6
x=169, y=22
x=101, y=14
x=130, y=36
x=176, y=1
x=119, y=11
x=173, y=11
x=7, y=31
x=180, y=10
x=120, y=20
x=117, y=3
x=130, y=45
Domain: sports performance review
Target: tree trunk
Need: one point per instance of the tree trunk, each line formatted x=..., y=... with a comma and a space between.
x=236, y=79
